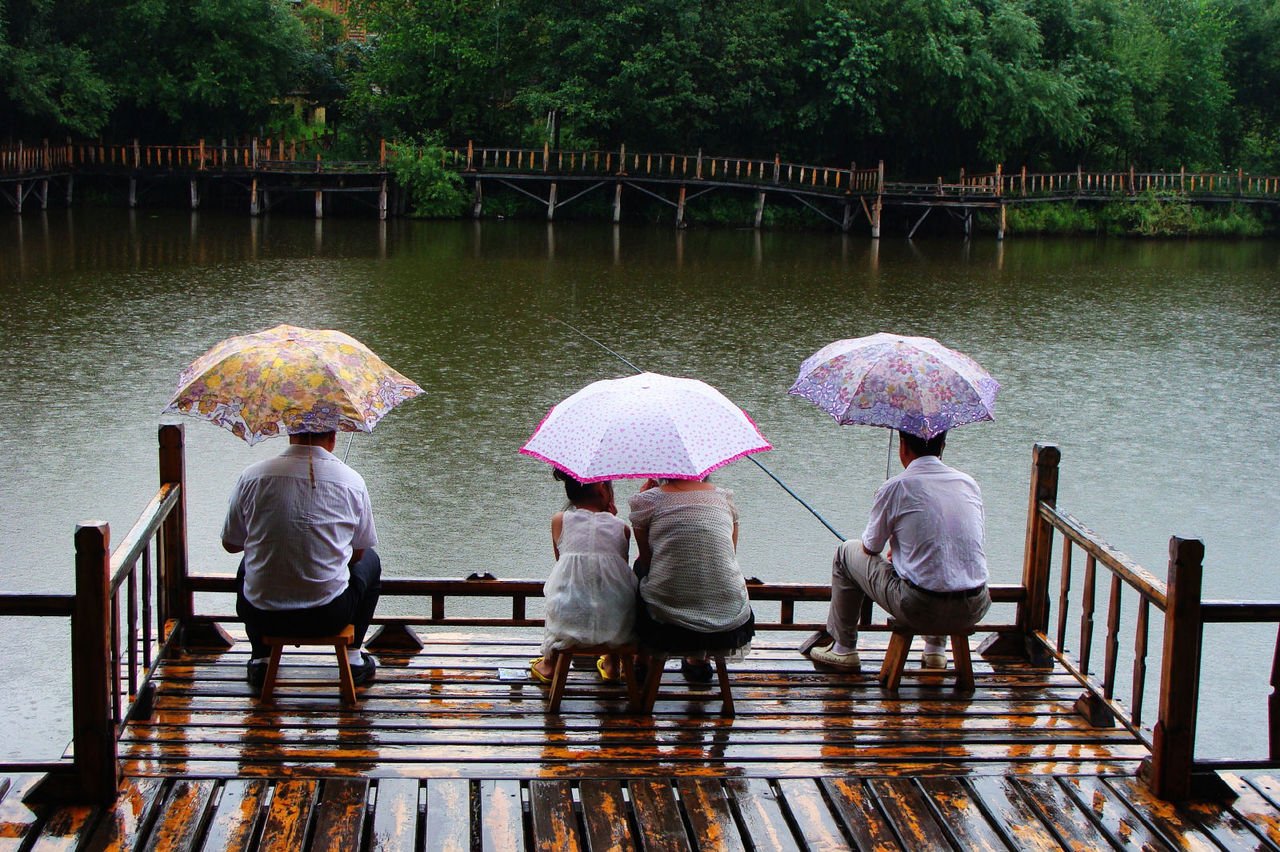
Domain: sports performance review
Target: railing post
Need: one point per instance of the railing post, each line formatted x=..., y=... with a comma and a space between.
x=622, y=159
x=95, y=737
x=1033, y=611
x=1174, y=736
x=176, y=601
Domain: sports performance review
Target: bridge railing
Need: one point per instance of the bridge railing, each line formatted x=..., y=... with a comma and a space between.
x=1046, y=619
x=18, y=159
x=670, y=166
x=253, y=155
x=1081, y=183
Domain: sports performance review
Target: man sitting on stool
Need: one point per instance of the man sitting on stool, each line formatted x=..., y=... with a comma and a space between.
x=931, y=517
x=305, y=525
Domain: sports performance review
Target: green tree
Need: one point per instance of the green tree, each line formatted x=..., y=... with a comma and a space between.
x=49, y=81
x=187, y=68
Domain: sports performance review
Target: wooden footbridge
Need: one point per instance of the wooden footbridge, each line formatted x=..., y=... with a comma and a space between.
x=264, y=173
x=451, y=747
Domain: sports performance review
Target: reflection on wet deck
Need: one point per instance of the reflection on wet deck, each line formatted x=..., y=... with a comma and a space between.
x=465, y=707
x=451, y=749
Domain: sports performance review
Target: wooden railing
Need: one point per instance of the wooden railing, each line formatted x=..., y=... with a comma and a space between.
x=120, y=629
x=1173, y=768
x=668, y=166
x=254, y=155
x=1081, y=183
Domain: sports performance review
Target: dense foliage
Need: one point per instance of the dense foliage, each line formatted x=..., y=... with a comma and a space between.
x=927, y=85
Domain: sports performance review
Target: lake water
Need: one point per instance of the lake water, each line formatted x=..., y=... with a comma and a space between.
x=1153, y=365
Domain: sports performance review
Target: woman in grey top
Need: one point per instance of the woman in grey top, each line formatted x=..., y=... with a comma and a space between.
x=693, y=597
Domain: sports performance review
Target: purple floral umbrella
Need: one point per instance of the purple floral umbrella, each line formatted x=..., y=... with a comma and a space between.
x=647, y=425
x=910, y=383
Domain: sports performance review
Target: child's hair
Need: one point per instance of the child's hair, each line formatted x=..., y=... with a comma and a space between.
x=576, y=492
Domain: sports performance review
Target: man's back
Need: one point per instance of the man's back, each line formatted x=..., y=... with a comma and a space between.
x=931, y=516
x=298, y=517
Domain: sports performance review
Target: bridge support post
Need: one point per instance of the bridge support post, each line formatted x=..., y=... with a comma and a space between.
x=195, y=195
x=133, y=192
x=70, y=184
x=875, y=217
x=382, y=201
x=617, y=202
x=255, y=208
x=17, y=198
x=846, y=221
x=680, y=209
x=551, y=203
x=759, y=217
x=1000, y=229
x=43, y=192
x=319, y=203
x=477, y=200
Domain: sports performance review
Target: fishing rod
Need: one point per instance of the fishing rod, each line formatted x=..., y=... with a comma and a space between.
x=751, y=459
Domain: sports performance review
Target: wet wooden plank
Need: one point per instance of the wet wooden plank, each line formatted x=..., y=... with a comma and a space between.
x=710, y=818
x=66, y=828
x=1013, y=815
x=237, y=815
x=855, y=806
x=1174, y=824
x=339, y=816
x=817, y=825
x=395, y=816
x=1062, y=814
x=183, y=815
x=122, y=825
x=1113, y=816
x=1177, y=824
x=604, y=814
x=17, y=819
x=553, y=821
x=908, y=810
x=448, y=816
x=1251, y=805
x=501, y=816
x=658, y=816
x=762, y=815
x=960, y=812
x=288, y=815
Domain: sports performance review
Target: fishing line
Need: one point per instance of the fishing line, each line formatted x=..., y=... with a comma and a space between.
x=751, y=459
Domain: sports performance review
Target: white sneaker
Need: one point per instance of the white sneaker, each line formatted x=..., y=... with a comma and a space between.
x=827, y=656
x=934, y=659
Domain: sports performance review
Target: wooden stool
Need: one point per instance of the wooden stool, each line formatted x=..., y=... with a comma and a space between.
x=658, y=661
x=340, y=642
x=895, y=659
x=564, y=659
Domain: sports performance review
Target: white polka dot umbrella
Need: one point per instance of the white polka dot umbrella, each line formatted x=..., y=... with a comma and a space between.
x=647, y=425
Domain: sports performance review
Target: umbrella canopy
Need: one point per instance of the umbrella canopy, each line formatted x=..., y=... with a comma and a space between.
x=647, y=425
x=287, y=380
x=910, y=383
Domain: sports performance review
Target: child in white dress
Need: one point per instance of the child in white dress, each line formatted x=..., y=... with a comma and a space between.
x=591, y=593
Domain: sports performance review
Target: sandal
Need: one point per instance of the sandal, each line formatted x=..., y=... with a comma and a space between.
x=534, y=673
x=604, y=673
x=696, y=671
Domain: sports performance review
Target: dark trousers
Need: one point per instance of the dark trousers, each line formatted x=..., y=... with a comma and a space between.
x=354, y=606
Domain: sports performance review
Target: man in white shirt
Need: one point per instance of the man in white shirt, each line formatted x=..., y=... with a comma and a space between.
x=305, y=525
x=934, y=574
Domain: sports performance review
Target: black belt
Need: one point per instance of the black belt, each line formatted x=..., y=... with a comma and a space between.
x=963, y=593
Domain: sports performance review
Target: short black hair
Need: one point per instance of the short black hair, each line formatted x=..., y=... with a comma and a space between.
x=922, y=447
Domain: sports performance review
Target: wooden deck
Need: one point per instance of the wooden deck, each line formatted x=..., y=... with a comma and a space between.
x=451, y=749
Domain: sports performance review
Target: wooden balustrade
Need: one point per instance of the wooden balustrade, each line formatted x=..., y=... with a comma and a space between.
x=120, y=629
x=1173, y=767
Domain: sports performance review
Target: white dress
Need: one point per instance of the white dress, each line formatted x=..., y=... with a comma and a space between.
x=591, y=593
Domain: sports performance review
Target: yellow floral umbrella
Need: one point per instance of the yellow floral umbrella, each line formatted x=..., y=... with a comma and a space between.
x=287, y=380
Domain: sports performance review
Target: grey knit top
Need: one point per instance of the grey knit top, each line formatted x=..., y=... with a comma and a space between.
x=694, y=579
